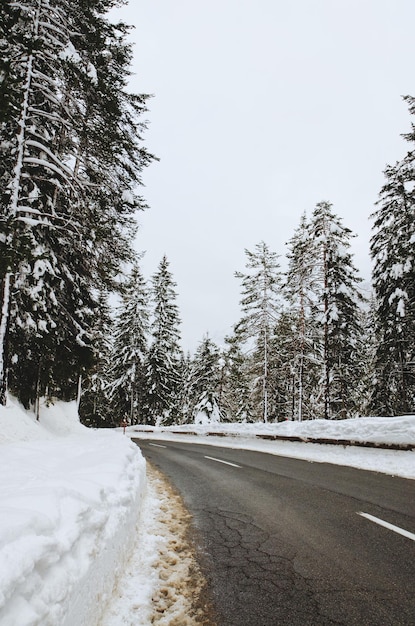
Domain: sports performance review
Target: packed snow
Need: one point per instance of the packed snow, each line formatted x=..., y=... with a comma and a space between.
x=87, y=535
x=69, y=499
x=87, y=538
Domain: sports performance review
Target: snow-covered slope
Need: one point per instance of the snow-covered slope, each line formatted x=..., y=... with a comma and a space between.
x=69, y=502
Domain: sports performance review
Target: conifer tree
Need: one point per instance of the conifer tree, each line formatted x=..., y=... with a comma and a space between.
x=130, y=349
x=336, y=301
x=71, y=161
x=206, y=375
x=392, y=251
x=261, y=293
x=237, y=398
x=163, y=382
x=94, y=398
x=184, y=398
x=207, y=410
x=300, y=287
x=284, y=370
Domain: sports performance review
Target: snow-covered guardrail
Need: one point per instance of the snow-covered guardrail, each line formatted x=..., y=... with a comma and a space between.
x=294, y=438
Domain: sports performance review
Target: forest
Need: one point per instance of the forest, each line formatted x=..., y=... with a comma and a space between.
x=311, y=342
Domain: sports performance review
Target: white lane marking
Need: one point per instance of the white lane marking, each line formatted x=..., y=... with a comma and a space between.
x=395, y=529
x=157, y=445
x=211, y=458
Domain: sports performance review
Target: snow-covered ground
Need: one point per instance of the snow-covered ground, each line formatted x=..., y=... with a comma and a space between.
x=69, y=499
x=87, y=539
x=87, y=536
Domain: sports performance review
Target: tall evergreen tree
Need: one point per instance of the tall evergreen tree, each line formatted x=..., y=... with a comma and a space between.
x=300, y=287
x=237, y=398
x=184, y=398
x=163, y=362
x=130, y=349
x=71, y=160
x=261, y=293
x=392, y=251
x=285, y=371
x=94, y=397
x=336, y=301
x=206, y=374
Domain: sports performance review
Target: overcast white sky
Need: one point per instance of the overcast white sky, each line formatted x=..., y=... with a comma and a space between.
x=261, y=109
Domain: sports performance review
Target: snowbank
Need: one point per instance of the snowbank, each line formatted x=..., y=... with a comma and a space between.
x=389, y=430
x=69, y=504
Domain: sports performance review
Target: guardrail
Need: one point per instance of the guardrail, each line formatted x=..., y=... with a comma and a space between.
x=322, y=440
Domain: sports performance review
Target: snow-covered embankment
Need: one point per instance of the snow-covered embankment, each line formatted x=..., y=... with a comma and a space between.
x=69, y=506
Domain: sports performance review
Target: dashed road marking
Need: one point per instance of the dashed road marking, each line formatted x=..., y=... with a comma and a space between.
x=395, y=529
x=211, y=458
x=157, y=445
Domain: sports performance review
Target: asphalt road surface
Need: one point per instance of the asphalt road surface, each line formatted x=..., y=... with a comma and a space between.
x=292, y=543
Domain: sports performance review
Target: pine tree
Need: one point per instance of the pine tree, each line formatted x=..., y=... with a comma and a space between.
x=261, y=291
x=163, y=363
x=207, y=410
x=29, y=202
x=237, y=393
x=366, y=358
x=130, y=349
x=94, y=402
x=284, y=372
x=300, y=288
x=336, y=302
x=72, y=157
x=184, y=397
x=392, y=251
x=206, y=375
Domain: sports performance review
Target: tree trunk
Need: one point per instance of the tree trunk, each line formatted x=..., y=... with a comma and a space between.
x=265, y=381
x=79, y=392
x=404, y=395
x=12, y=212
x=301, y=366
x=326, y=341
x=37, y=410
x=4, y=335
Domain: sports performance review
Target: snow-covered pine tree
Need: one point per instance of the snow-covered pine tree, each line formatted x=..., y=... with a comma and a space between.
x=206, y=375
x=392, y=251
x=261, y=294
x=207, y=410
x=130, y=348
x=72, y=153
x=164, y=357
x=185, y=389
x=237, y=399
x=366, y=358
x=25, y=50
x=284, y=371
x=299, y=289
x=336, y=301
x=94, y=397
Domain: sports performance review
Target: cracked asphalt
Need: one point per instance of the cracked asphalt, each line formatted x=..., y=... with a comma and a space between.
x=280, y=541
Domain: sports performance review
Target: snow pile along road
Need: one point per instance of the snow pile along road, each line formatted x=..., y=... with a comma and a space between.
x=162, y=582
x=69, y=504
x=398, y=430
